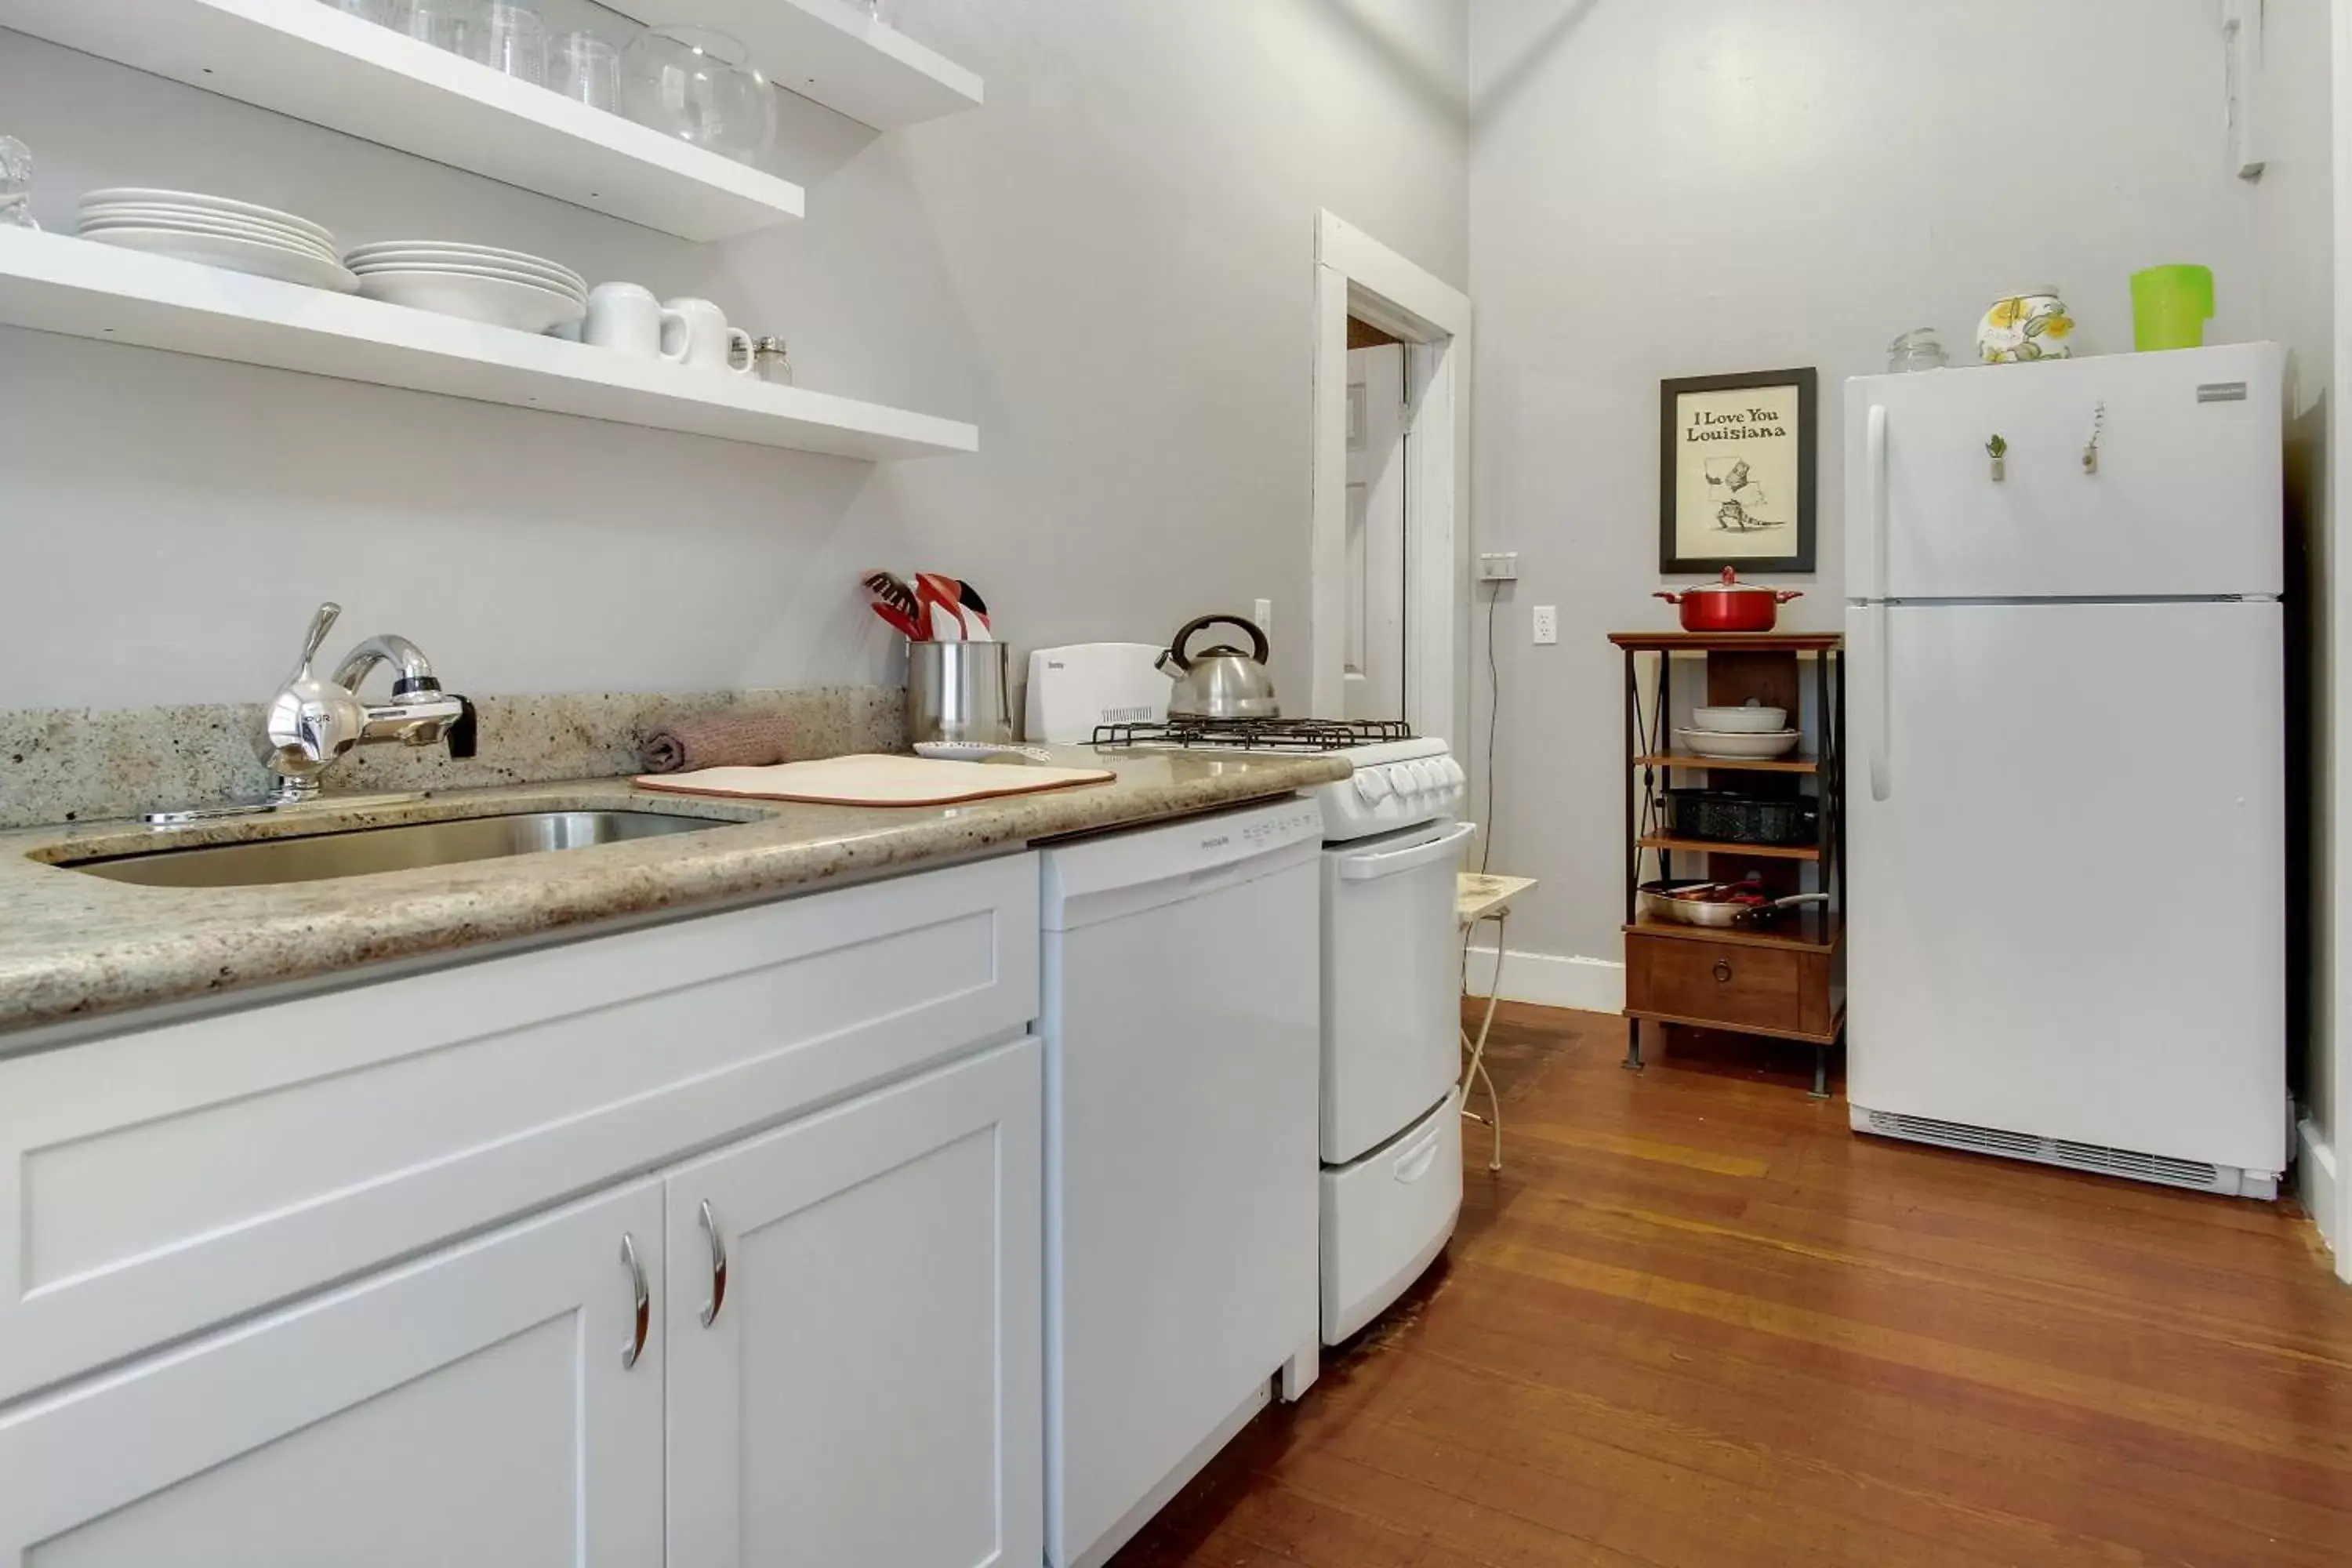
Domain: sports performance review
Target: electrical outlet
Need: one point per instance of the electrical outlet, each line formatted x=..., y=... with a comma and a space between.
x=1501, y=566
x=1546, y=624
x=1262, y=611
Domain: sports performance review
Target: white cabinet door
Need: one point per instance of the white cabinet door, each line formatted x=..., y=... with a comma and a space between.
x=471, y=1407
x=867, y=1389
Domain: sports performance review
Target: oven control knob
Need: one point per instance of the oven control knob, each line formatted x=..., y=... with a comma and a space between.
x=1406, y=784
x=1452, y=771
x=1417, y=777
x=1368, y=786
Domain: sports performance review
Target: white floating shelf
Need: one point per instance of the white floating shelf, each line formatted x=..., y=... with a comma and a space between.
x=834, y=52
x=315, y=63
x=55, y=283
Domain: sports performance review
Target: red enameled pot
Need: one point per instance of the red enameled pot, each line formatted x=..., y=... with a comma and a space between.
x=1731, y=605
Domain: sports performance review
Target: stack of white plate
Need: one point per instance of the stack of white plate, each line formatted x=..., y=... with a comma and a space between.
x=480, y=282
x=216, y=231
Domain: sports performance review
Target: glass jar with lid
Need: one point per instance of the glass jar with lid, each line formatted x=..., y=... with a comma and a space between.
x=1918, y=348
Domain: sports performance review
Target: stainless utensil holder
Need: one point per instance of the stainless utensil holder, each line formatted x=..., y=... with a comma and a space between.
x=958, y=691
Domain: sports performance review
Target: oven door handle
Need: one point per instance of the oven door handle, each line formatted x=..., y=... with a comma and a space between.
x=1365, y=868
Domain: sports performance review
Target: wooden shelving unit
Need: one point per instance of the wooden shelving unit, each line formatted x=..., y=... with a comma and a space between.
x=57, y=283
x=1784, y=980
x=315, y=63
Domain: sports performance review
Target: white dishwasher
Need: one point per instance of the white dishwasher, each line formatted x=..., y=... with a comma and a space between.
x=1182, y=1060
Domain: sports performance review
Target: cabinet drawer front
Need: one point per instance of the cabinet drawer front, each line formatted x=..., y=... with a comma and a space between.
x=1726, y=983
x=155, y=1183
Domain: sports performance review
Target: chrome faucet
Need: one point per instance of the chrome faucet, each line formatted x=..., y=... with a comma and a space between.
x=312, y=721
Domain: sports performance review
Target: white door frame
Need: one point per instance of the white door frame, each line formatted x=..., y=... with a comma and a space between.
x=1355, y=275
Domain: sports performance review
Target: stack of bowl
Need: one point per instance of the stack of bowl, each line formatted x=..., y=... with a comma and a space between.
x=1748, y=733
x=480, y=282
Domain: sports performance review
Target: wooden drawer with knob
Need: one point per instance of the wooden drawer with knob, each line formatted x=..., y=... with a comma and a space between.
x=1737, y=985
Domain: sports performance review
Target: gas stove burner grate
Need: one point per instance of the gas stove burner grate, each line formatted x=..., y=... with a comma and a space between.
x=1257, y=734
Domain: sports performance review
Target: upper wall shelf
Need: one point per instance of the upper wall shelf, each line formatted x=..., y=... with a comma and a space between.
x=55, y=283
x=834, y=53
x=315, y=63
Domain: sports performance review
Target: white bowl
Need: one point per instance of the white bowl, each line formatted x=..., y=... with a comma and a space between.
x=1739, y=748
x=507, y=274
x=461, y=253
x=1749, y=720
x=498, y=301
x=456, y=261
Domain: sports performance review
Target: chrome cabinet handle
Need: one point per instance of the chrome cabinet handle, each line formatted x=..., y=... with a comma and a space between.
x=645, y=1301
x=717, y=1266
x=1723, y=971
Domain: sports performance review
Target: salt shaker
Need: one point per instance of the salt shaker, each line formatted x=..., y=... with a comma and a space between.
x=769, y=362
x=15, y=185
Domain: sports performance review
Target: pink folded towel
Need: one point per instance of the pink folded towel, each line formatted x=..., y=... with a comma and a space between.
x=727, y=740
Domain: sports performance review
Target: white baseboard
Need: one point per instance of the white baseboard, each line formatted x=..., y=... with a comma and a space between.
x=1552, y=979
x=2320, y=1186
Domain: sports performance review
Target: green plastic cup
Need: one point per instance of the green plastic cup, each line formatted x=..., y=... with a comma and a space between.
x=2170, y=306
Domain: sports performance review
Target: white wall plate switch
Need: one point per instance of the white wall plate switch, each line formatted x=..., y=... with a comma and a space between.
x=1546, y=624
x=1262, y=611
x=1499, y=566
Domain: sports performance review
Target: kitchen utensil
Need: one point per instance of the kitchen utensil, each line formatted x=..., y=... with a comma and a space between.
x=958, y=691
x=15, y=185
x=888, y=588
x=1221, y=682
x=263, y=259
x=1733, y=817
x=511, y=39
x=497, y=301
x=1075, y=688
x=771, y=362
x=695, y=84
x=2170, y=306
x=1737, y=748
x=899, y=621
x=1753, y=719
x=1718, y=905
x=1730, y=606
x=113, y=196
x=586, y=68
x=936, y=597
x=1918, y=348
x=999, y=753
x=973, y=605
x=702, y=331
x=876, y=781
x=2030, y=325
x=948, y=592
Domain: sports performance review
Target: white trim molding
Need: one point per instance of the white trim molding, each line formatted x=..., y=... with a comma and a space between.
x=1551, y=980
x=2317, y=1184
x=1355, y=275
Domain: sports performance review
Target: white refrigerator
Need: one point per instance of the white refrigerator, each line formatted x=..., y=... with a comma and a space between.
x=2064, y=771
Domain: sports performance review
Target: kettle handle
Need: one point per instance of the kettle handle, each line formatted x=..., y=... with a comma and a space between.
x=1258, y=649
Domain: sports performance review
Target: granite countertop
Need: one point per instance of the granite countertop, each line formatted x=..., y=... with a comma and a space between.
x=74, y=946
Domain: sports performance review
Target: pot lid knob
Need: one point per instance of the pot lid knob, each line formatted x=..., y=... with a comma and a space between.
x=1729, y=576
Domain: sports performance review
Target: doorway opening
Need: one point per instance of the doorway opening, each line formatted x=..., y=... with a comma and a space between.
x=1377, y=524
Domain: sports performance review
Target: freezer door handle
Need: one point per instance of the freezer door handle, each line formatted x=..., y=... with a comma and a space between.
x=1877, y=700
x=1365, y=868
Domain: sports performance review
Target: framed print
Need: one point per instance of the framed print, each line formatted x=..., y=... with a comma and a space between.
x=1736, y=472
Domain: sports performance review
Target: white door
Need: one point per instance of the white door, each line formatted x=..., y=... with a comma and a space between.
x=470, y=1408
x=2184, y=498
x=866, y=1387
x=1375, y=621
x=2067, y=832
x=1391, y=985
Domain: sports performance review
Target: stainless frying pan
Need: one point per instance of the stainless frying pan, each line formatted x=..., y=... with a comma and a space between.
x=1685, y=904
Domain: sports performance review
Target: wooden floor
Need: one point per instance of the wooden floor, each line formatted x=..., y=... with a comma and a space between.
x=1697, y=1323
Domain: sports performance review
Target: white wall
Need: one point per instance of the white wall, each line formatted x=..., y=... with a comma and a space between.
x=1690, y=186
x=1108, y=268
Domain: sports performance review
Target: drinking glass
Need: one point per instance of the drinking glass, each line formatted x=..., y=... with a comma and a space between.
x=696, y=84
x=512, y=39
x=383, y=12
x=451, y=25
x=584, y=67
x=15, y=185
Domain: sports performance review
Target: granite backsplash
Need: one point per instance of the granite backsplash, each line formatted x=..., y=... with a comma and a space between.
x=67, y=764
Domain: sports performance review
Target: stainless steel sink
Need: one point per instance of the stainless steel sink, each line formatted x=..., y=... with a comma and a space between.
x=317, y=856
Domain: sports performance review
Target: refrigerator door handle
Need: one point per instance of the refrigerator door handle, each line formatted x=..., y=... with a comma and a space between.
x=1878, y=699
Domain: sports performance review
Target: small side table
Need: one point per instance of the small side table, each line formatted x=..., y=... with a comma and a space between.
x=1477, y=897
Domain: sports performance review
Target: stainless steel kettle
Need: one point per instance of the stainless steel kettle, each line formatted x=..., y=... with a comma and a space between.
x=1219, y=682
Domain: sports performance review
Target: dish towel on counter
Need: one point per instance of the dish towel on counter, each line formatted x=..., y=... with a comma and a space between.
x=726, y=740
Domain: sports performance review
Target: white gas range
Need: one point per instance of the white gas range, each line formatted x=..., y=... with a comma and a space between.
x=1392, y=1132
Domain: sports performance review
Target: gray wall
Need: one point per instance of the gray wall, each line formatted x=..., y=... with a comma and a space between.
x=1108, y=267
x=1687, y=186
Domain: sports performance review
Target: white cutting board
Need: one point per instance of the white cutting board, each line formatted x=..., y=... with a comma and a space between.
x=876, y=781
x=1075, y=688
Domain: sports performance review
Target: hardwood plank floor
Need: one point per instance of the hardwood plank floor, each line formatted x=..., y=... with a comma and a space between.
x=1697, y=1323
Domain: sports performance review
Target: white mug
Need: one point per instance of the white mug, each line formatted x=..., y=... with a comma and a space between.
x=628, y=319
x=704, y=338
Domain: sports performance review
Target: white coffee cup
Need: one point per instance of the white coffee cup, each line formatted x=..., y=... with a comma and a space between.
x=706, y=340
x=628, y=319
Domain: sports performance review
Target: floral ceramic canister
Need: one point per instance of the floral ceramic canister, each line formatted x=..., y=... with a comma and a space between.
x=2028, y=326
